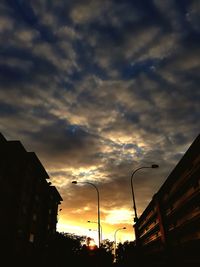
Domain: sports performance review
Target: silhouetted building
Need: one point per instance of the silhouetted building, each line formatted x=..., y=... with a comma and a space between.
x=29, y=204
x=171, y=221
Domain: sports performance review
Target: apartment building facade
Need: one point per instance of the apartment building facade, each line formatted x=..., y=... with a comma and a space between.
x=171, y=221
x=29, y=204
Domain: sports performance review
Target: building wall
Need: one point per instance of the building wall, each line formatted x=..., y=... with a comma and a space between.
x=28, y=203
x=172, y=218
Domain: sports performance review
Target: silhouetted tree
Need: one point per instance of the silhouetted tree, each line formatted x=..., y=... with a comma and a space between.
x=107, y=245
x=68, y=249
x=63, y=248
x=127, y=255
x=92, y=256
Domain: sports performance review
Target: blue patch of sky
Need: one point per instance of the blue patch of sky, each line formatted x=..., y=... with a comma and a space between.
x=76, y=76
x=151, y=15
x=10, y=75
x=85, y=56
x=138, y=150
x=106, y=33
x=24, y=15
x=131, y=70
x=191, y=40
x=130, y=116
x=22, y=11
x=164, y=84
x=184, y=7
x=62, y=14
x=39, y=64
x=67, y=85
x=6, y=109
x=76, y=130
x=192, y=78
x=72, y=129
x=129, y=146
x=10, y=51
x=41, y=112
x=148, y=15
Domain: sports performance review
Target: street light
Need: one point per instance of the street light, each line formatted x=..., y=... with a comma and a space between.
x=100, y=227
x=115, y=243
x=98, y=207
x=133, y=196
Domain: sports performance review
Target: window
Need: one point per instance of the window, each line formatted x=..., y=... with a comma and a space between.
x=31, y=238
x=34, y=217
x=24, y=209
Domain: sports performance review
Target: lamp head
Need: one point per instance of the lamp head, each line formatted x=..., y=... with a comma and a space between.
x=74, y=182
x=154, y=166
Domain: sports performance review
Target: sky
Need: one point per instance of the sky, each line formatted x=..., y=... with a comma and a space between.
x=97, y=89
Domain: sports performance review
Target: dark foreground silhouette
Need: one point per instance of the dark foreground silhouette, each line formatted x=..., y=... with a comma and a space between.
x=69, y=250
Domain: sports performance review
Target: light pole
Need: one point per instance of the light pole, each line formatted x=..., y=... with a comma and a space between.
x=98, y=207
x=115, y=240
x=100, y=227
x=133, y=196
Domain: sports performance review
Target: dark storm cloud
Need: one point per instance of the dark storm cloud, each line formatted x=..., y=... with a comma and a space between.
x=61, y=143
x=98, y=88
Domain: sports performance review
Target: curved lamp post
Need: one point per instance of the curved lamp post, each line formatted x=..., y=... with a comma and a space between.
x=98, y=207
x=133, y=196
x=100, y=227
x=115, y=240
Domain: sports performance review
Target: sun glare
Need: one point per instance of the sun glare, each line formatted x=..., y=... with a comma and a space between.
x=118, y=216
x=92, y=245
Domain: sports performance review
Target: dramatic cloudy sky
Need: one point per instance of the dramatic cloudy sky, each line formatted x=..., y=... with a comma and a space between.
x=98, y=88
